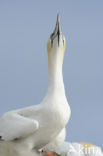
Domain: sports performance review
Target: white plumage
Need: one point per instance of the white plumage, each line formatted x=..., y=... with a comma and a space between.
x=56, y=144
x=76, y=149
x=36, y=126
x=43, y=126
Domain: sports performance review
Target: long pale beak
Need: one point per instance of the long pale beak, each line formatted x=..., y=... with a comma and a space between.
x=57, y=30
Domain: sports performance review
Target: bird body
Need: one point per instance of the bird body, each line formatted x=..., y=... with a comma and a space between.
x=34, y=127
x=55, y=144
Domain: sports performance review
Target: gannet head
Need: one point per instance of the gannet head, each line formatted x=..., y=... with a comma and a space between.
x=56, y=43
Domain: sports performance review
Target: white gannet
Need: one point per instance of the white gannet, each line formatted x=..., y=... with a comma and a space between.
x=34, y=127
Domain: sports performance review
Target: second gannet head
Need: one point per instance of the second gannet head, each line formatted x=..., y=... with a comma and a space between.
x=56, y=44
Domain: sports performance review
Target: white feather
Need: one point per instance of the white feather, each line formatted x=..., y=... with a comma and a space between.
x=36, y=126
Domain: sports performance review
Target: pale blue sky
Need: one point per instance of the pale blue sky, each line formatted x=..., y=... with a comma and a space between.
x=24, y=29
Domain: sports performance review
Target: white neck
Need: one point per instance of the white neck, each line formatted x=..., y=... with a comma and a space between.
x=55, y=71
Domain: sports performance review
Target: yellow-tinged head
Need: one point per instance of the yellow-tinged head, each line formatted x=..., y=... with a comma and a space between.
x=56, y=43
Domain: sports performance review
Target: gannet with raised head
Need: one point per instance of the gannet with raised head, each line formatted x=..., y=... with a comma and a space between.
x=34, y=127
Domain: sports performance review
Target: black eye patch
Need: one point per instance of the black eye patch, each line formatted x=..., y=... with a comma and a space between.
x=63, y=41
x=51, y=36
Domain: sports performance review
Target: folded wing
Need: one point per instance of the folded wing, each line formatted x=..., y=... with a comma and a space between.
x=14, y=126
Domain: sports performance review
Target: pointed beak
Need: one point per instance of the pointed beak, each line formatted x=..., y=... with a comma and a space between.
x=57, y=30
x=57, y=27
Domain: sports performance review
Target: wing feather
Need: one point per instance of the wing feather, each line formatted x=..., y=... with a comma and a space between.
x=13, y=125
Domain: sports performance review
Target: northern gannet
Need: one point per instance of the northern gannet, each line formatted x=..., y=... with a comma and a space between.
x=34, y=127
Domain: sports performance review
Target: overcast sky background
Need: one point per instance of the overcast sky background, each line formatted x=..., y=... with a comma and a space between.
x=24, y=29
